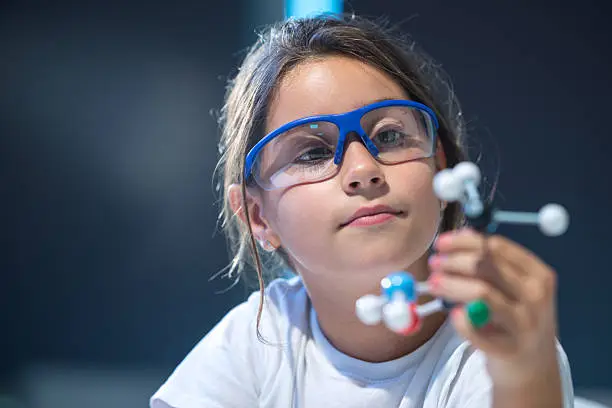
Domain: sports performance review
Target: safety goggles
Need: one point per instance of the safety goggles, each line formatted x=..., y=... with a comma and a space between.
x=310, y=150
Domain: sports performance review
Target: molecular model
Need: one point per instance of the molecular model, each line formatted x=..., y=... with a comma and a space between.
x=397, y=306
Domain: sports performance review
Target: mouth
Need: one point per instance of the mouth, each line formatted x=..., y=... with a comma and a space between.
x=367, y=216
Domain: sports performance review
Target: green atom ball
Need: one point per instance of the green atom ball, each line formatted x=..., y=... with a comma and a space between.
x=478, y=313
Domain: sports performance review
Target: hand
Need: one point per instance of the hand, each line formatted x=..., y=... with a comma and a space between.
x=519, y=289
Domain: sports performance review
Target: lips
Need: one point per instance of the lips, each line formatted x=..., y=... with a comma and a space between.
x=371, y=215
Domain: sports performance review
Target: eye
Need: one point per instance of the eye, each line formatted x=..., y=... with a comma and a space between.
x=390, y=138
x=314, y=155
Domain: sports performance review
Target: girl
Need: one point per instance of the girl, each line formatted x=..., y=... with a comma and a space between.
x=343, y=198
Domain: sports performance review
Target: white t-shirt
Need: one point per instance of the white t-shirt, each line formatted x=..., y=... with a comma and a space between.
x=231, y=367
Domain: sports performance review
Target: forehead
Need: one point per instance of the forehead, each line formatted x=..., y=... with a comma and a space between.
x=328, y=86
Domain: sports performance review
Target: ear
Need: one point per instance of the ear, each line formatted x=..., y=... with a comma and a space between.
x=262, y=231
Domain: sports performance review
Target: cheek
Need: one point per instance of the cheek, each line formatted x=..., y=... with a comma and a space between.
x=417, y=189
x=420, y=189
x=302, y=218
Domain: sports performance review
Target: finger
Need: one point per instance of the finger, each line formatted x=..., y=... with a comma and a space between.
x=465, y=239
x=494, y=246
x=469, y=240
x=492, y=342
x=461, y=289
x=539, y=281
x=505, y=277
x=464, y=263
x=503, y=249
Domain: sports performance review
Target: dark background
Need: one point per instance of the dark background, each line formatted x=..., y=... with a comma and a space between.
x=108, y=212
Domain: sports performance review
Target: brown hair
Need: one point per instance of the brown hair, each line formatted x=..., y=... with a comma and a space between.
x=281, y=47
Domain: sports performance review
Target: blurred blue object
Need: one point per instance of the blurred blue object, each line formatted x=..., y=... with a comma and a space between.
x=580, y=402
x=305, y=8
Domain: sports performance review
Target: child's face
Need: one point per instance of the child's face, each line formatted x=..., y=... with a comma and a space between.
x=307, y=220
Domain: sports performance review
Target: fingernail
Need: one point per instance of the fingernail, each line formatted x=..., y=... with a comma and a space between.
x=456, y=312
x=434, y=281
x=443, y=239
x=435, y=261
x=466, y=231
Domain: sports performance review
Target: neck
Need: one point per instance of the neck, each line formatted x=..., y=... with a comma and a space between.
x=335, y=308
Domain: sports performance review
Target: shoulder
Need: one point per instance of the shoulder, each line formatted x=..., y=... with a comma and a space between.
x=467, y=381
x=225, y=367
x=284, y=302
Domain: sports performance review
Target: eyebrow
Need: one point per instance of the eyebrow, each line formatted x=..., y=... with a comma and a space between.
x=362, y=104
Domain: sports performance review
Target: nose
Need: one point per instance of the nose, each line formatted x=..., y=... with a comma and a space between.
x=360, y=171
